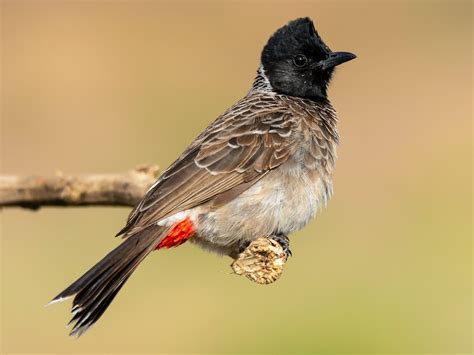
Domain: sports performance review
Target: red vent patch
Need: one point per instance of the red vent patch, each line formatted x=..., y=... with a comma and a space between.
x=180, y=233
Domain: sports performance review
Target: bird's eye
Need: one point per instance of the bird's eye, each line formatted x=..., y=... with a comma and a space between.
x=300, y=60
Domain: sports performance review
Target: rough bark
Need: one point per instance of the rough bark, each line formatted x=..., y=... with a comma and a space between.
x=261, y=262
x=81, y=190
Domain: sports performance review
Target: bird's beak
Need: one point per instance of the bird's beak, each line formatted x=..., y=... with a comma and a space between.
x=336, y=58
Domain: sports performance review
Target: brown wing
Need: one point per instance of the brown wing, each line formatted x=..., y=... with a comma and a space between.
x=240, y=147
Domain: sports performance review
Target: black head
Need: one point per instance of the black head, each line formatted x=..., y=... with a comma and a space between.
x=298, y=63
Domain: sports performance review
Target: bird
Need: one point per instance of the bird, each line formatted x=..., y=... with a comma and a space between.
x=262, y=168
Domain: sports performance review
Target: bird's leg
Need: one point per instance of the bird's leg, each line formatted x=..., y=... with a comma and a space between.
x=280, y=238
x=243, y=244
x=283, y=240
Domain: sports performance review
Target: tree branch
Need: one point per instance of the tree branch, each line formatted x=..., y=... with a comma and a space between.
x=262, y=261
x=83, y=190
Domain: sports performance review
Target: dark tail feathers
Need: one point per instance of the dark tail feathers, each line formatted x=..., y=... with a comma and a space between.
x=96, y=289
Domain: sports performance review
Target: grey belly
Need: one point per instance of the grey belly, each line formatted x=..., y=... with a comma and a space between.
x=283, y=201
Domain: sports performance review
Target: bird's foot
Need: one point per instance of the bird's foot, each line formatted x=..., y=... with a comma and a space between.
x=283, y=240
x=243, y=244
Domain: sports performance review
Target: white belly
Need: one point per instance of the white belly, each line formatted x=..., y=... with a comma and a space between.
x=283, y=201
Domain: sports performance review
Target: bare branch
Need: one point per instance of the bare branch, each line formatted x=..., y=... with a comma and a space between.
x=262, y=261
x=83, y=190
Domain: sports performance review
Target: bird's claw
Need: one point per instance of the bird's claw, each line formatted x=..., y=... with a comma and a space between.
x=283, y=240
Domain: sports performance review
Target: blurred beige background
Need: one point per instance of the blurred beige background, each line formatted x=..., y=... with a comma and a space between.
x=101, y=86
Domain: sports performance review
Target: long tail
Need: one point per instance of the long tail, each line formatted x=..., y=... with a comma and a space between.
x=96, y=289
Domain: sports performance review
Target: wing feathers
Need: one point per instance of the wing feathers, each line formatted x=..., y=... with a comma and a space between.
x=256, y=135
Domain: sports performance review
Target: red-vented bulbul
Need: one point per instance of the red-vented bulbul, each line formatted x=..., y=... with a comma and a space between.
x=262, y=168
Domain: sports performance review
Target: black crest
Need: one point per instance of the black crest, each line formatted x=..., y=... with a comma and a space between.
x=298, y=63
